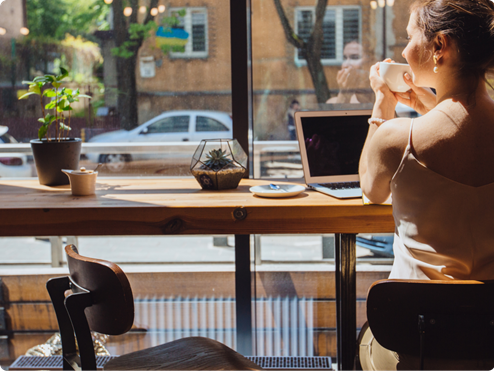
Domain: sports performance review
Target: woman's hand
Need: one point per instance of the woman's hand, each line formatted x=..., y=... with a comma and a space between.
x=421, y=100
x=386, y=100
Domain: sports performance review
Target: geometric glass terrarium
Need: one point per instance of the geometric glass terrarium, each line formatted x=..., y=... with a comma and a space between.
x=219, y=164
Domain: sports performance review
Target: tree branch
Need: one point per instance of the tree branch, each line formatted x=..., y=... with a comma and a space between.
x=317, y=37
x=291, y=36
x=149, y=17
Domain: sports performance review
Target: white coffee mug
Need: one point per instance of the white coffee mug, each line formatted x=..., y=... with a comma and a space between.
x=392, y=74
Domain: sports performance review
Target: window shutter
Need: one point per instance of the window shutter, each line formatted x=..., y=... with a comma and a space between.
x=351, y=25
x=304, y=27
x=328, y=50
x=198, y=32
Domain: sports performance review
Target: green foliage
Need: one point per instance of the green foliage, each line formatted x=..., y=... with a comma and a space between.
x=140, y=32
x=60, y=101
x=137, y=33
x=53, y=19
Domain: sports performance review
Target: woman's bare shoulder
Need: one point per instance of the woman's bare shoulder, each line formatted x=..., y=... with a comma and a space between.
x=394, y=133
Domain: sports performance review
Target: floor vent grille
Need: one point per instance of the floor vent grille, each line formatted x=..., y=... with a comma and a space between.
x=293, y=363
x=268, y=363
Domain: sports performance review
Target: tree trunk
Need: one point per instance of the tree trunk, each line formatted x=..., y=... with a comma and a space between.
x=311, y=49
x=126, y=67
x=318, y=77
x=126, y=76
x=127, y=92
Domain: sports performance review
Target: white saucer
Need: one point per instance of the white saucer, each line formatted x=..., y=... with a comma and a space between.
x=286, y=190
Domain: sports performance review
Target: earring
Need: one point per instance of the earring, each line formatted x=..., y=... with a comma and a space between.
x=435, y=64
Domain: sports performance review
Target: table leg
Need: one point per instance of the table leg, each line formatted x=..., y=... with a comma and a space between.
x=243, y=294
x=346, y=296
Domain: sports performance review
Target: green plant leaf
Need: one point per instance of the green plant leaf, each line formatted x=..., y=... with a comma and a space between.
x=50, y=105
x=64, y=127
x=56, y=84
x=50, y=93
x=84, y=96
x=27, y=95
x=42, y=79
x=42, y=132
x=35, y=88
x=64, y=73
x=61, y=105
x=67, y=108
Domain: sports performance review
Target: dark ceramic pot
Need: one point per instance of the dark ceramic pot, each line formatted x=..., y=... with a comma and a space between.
x=52, y=156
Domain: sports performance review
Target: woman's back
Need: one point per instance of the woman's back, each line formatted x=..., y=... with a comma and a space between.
x=458, y=143
x=443, y=227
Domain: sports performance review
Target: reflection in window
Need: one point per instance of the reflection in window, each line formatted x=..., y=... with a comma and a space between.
x=195, y=24
x=340, y=26
x=174, y=124
x=209, y=124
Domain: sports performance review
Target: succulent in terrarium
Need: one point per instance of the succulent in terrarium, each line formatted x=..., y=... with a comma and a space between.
x=217, y=159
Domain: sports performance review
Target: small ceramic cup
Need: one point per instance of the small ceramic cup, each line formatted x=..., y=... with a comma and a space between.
x=392, y=74
x=82, y=182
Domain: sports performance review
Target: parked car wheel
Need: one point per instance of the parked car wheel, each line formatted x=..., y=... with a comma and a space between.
x=115, y=162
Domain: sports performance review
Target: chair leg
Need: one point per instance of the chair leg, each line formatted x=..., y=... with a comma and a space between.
x=75, y=304
x=56, y=288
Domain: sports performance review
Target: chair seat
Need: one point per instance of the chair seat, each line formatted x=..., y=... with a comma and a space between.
x=192, y=353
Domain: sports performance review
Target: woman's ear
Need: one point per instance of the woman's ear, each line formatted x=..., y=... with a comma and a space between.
x=441, y=45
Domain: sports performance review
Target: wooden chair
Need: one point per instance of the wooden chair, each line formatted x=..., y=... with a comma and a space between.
x=101, y=300
x=437, y=319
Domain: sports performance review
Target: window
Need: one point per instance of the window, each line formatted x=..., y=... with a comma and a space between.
x=174, y=124
x=209, y=124
x=195, y=23
x=340, y=26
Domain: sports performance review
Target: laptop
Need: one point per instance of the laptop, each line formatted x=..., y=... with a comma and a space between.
x=330, y=146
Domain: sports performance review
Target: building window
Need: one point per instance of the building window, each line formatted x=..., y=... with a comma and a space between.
x=195, y=24
x=341, y=25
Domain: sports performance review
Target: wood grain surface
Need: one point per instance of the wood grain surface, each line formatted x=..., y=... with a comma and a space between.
x=178, y=206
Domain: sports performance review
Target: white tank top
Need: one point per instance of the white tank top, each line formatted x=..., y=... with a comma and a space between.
x=443, y=229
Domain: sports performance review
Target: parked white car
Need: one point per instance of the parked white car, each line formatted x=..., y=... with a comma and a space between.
x=172, y=126
x=12, y=165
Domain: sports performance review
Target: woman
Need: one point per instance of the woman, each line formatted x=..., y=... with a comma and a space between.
x=438, y=167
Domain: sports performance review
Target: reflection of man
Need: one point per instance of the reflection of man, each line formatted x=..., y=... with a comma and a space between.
x=353, y=79
x=294, y=106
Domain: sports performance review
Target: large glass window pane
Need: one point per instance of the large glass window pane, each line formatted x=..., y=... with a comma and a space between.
x=298, y=66
x=154, y=74
x=136, y=61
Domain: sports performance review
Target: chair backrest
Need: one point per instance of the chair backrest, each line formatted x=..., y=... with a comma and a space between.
x=456, y=318
x=112, y=309
x=101, y=300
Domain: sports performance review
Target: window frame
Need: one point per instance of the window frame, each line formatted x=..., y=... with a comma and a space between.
x=339, y=32
x=189, y=53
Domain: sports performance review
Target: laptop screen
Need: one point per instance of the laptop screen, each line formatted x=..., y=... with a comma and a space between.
x=334, y=143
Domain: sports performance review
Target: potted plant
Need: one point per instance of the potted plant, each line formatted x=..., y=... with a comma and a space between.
x=53, y=152
x=219, y=164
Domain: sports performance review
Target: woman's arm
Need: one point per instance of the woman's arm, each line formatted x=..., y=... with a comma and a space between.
x=384, y=144
x=381, y=156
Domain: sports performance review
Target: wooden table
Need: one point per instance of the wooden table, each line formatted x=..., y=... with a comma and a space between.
x=179, y=206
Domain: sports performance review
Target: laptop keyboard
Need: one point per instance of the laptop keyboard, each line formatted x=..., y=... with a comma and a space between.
x=341, y=185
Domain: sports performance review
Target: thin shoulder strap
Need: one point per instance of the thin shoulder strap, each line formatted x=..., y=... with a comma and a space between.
x=407, y=152
x=410, y=137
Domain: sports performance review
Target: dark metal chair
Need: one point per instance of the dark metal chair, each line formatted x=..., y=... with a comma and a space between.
x=433, y=319
x=102, y=301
